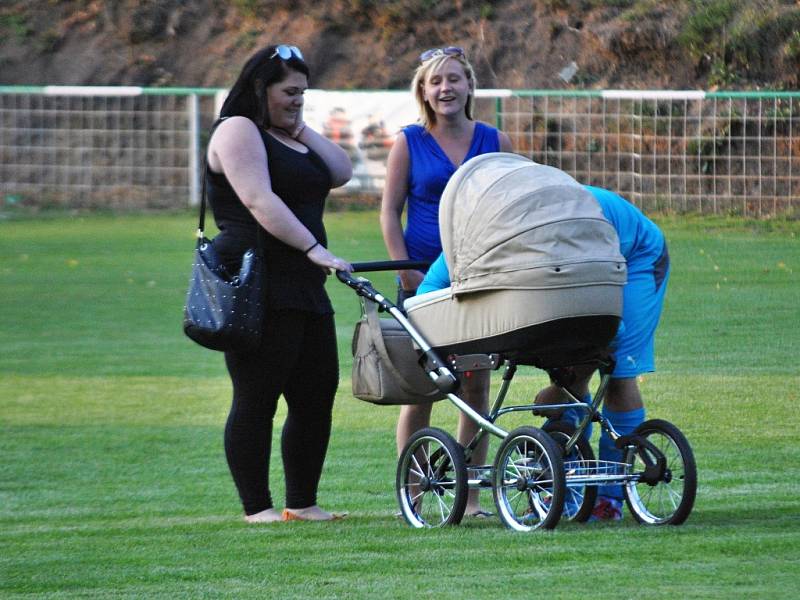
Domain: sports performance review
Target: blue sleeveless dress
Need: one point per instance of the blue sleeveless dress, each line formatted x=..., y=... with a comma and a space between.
x=428, y=173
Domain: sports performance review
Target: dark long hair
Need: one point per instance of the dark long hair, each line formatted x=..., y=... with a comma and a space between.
x=248, y=96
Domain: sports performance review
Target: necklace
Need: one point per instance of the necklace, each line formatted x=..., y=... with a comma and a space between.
x=279, y=133
x=287, y=140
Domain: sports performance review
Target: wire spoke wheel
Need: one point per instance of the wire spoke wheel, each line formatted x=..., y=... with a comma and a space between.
x=580, y=498
x=669, y=500
x=431, y=481
x=529, y=483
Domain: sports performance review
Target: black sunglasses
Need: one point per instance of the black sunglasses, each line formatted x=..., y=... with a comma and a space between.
x=286, y=52
x=434, y=52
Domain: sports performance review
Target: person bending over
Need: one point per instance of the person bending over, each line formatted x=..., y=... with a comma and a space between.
x=643, y=245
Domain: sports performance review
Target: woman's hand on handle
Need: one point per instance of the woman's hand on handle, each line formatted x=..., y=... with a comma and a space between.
x=329, y=262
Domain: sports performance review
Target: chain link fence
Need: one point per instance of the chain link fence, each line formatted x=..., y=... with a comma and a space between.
x=116, y=147
x=721, y=152
x=130, y=147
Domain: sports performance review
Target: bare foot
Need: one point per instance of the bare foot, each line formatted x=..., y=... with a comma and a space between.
x=270, y=515
x=473, y=502
x=311, y=513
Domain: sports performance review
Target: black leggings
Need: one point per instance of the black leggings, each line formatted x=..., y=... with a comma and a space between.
x=298, y=358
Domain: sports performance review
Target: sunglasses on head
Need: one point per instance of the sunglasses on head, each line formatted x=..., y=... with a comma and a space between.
x=286, y=52
x=434, y=52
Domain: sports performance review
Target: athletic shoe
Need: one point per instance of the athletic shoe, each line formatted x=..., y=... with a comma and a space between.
x=606, y=509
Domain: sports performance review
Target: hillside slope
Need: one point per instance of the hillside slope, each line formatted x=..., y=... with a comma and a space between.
x=370, y=44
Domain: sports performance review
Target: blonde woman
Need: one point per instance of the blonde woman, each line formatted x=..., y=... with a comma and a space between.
x=420, y=164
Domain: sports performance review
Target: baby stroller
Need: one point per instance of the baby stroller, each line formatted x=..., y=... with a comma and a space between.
x=536, y=279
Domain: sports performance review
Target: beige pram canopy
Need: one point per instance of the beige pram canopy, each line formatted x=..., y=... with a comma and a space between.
x=535, y=267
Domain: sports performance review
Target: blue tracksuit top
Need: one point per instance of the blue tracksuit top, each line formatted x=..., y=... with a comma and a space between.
x=638, y=236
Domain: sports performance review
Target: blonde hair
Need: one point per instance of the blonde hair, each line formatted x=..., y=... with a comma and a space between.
x=427, y=117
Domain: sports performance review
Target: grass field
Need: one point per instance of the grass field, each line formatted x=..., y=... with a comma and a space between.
x=113, y=481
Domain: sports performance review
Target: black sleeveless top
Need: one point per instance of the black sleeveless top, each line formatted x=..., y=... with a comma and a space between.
x=302, y=181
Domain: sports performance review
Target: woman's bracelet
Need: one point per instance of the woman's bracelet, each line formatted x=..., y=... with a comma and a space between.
x=298, y=131
x=311, y=247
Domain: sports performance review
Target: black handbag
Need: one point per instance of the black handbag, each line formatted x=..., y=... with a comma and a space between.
x=224, y=311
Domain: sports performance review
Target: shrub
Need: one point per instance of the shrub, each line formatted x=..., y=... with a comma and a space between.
x=701, y=31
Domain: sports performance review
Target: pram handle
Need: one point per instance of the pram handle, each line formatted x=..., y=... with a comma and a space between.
x=390, y=265
x=362, y=285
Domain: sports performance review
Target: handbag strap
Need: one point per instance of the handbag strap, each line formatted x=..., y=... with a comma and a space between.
x=201, y=224
x=374, y=323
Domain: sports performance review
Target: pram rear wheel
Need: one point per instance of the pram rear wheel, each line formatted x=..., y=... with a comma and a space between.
x=669, y=500
x=580, y=498
x=431, y=479
x=529, y=483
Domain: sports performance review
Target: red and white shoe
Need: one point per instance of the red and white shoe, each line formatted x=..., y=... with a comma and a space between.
x=606, y=509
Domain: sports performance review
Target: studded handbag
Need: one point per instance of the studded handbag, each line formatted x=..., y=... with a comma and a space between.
x=224, y=311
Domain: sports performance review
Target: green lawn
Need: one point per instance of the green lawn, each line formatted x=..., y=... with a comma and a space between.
x=113, y=481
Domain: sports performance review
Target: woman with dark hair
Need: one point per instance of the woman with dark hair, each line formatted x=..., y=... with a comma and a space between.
x=268, y=178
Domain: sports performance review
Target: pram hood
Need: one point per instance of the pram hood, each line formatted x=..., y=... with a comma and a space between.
x=509, y=223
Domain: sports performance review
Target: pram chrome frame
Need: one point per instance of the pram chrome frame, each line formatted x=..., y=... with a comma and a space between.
x=576, y=475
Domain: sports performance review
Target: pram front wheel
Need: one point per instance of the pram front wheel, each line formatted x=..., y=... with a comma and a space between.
x=431, y=479
x=529, y=483
x=669, y=499
x=580, y=498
